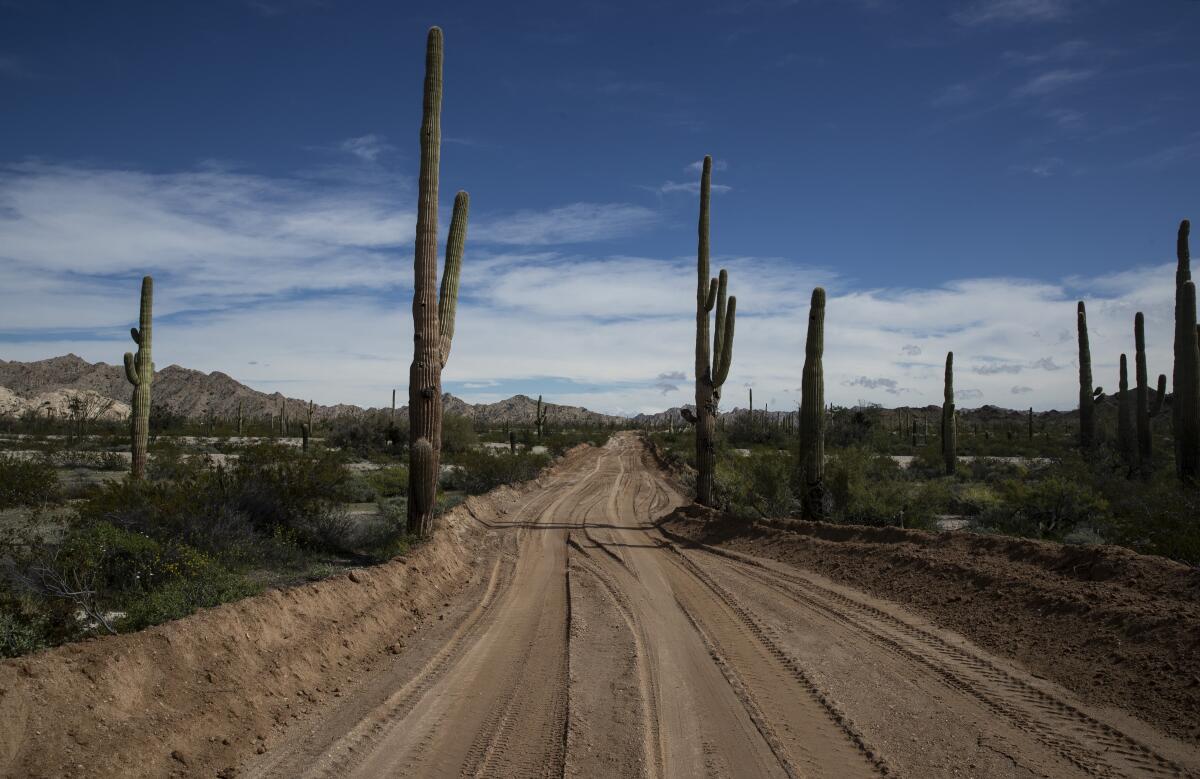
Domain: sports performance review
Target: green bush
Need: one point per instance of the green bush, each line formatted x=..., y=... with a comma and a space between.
x=1049, y=504
x=20, y=634
x=476, y=472
x=181, y=596
x=389, y=482
x=757, y=486
x=27, y=482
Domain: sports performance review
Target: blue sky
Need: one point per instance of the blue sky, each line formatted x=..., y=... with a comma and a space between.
x=956, y=173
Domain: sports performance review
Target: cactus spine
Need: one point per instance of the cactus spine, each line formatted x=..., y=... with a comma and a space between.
x=949, y=426
x=1087, y=415
x=139, y=370
x=812, y=413
x=540, y=418
x=1187, y=388
x=433, y=310
x=1126, y=443
x=711, y=370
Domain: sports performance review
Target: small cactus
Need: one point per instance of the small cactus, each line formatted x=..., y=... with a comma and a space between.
x=139, y=370
x=512, y=441
x=813, y=499
x=949, y=428
x=304, y=436
x=1145, y=441
x=540, y=417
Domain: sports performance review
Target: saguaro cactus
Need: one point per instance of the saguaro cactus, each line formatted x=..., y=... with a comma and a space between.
x=949, y=426
x=139, y=370
x=1126, y=438
x=540, y=418
x=239, y=419
x=711, y=371
x=1187, y=388
x=1142, y=399
x=812, y=413
x=512, y=441
x=1184, y=335
x=433, y=309
x=1087, y=395
x=304, y=436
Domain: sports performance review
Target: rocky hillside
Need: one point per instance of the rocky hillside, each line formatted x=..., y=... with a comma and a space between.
x=194, y=394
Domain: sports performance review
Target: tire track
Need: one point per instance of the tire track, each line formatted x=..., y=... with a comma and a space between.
x=1061, y=727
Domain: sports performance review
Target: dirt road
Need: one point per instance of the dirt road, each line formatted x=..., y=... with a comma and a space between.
x=591, y=645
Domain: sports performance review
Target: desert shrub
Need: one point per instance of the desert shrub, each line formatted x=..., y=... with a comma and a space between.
x=477, y=472
x=757, y=486
x=991, y=470
x=181, y=596
x=972, y=499
x=458, y=434
x=20, y=633
x=27, y=482
x=389, y=482
x=1049, y=504
x=1153, y=517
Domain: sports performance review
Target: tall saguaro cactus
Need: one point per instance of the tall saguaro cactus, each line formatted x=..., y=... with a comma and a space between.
x=1127, y=444
x=711, y=370
x=949, y=426
x=433, y=309
x=1184, y=337
x=1187, y=388
x=812, y=413
x=1142, y=396
x=1087, y=395
x=139, y=370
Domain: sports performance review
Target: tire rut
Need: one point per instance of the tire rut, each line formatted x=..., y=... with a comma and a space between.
x=1113, y=753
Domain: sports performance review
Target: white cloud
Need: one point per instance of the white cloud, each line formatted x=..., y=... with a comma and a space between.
x=1052, y=81
x=698, y=166
x=366, y=147
x=575, y=223
x=983, y=12
x=74, y=241
x=954, y=95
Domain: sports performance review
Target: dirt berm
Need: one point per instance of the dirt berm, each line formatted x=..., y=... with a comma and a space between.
x=1117, y=628
x=192, y=697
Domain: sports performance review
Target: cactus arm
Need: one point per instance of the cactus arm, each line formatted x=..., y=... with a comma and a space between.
x=130, y=369
x=722, y=285
x=687, y=415
x=711, y=299
x=726, y=356
x=137, y=337
x=448, y=295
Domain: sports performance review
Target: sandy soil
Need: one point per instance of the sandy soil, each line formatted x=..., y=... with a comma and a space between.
x=557, y=630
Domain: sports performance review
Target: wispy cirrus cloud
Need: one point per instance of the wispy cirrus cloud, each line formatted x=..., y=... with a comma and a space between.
x=574, y=223
x=366, y=147
x=1053, y=81
x=988, y=12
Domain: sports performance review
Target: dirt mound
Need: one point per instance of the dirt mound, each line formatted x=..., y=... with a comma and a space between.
x=191, y=697
x=1117, y=628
